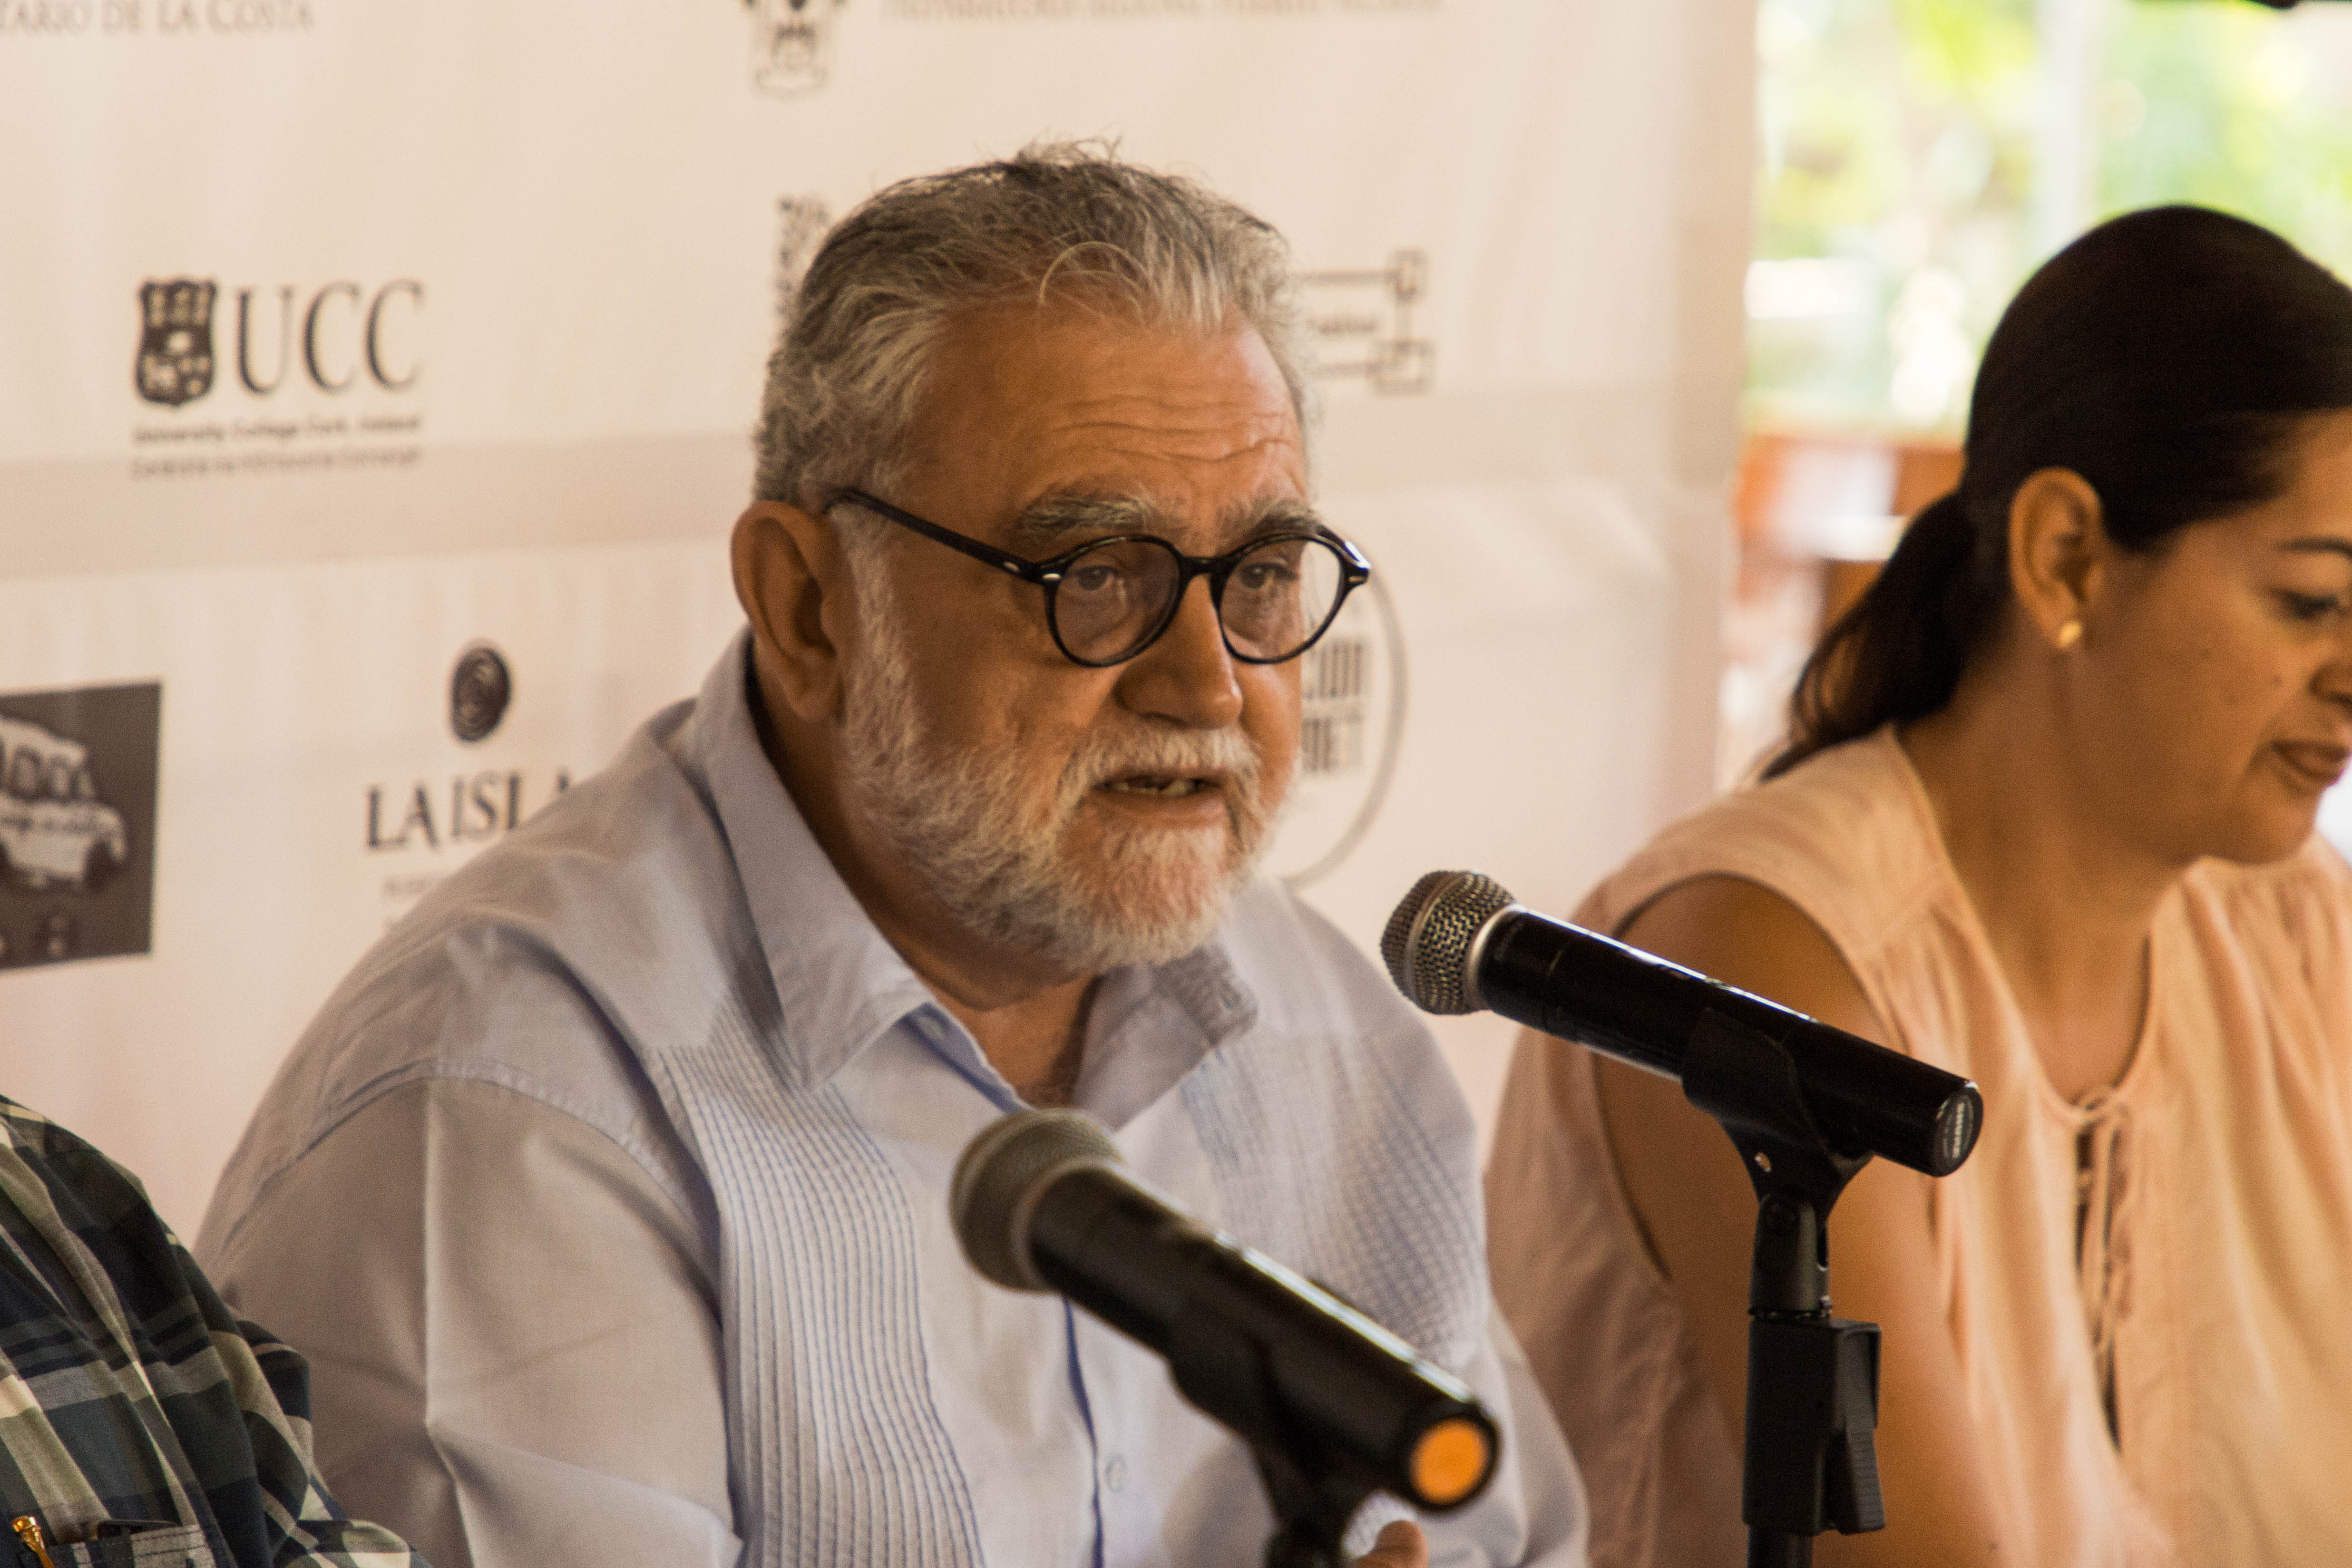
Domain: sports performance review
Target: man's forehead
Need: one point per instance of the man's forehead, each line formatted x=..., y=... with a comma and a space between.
x=1051, y=419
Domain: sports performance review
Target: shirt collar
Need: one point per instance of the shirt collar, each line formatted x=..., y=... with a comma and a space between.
x=840, y=985
x=1149, y=1027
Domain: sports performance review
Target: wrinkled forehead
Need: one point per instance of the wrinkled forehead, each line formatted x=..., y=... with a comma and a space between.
x=1061, y=519
x=1055, y=421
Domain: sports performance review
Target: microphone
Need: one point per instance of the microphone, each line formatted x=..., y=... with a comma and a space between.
x=1041, y=1201
x=1459, y=943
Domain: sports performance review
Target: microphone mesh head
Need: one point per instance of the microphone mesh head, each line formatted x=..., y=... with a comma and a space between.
x=999, y=1177
x=1427, y=943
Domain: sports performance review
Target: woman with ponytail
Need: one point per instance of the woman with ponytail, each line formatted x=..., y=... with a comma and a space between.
x=2044, y=818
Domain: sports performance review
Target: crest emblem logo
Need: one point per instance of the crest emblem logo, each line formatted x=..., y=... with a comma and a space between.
x=479, y=690
x=802, y=224
x=792, y=44
x=175, y=339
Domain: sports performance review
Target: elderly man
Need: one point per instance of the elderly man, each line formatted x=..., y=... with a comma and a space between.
x=608, y=1196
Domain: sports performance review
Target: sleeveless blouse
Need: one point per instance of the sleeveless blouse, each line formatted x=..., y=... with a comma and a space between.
x=2151, y=1291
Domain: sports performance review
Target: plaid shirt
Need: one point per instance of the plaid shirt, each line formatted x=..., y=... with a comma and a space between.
x=141, y=1424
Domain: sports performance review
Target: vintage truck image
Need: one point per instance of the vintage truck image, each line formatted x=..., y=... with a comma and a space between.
x=54, y=830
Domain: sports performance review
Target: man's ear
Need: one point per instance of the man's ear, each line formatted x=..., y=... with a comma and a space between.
x=794, y=586
x=2058, y=551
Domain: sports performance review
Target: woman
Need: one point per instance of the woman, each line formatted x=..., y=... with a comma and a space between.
x=2044, y=819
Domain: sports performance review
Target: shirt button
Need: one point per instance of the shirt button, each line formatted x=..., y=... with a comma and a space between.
x=1115, y=1475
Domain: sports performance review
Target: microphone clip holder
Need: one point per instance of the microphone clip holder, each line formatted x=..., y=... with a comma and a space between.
x=1314, y=1498
x=1312, y=1508
x=1810, y=1458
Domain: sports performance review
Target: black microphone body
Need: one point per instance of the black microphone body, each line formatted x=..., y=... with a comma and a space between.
x=1457, y=943
x=1282, y=1362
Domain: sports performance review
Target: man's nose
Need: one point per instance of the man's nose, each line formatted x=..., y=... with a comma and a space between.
x=1188, y=675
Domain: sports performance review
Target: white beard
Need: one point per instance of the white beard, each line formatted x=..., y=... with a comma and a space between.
x=1001, y=858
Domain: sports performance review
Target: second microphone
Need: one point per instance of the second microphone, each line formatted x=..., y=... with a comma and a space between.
x=1459, y=943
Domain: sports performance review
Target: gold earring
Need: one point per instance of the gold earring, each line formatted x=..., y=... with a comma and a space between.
x=2069, y=634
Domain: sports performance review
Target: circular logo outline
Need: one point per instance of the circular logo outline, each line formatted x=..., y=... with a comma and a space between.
x=1376, y=794
x=481, y=689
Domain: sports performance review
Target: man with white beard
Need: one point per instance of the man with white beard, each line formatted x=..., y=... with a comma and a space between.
x=608, y=1195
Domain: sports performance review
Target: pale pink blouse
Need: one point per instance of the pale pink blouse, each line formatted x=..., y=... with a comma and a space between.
x=2210, y=1291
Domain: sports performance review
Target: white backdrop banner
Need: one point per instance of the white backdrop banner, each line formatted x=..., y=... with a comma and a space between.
x=373, y=383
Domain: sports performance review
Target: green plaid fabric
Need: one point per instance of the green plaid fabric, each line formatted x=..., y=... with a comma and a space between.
x=140, y=1422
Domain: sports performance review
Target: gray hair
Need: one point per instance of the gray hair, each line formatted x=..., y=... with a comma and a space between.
x=1060, y=220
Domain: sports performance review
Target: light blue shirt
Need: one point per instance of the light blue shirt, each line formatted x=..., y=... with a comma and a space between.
x=608, y=1196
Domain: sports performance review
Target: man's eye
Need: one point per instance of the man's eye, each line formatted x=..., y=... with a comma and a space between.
x=1266, y=577
x=1093, y=579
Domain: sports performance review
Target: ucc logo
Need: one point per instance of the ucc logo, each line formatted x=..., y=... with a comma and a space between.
x=336, y=336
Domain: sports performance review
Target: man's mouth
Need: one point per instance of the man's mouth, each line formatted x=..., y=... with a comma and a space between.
x=1165, y=786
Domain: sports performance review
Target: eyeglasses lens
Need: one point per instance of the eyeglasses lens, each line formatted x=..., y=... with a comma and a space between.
x=1111, y=599
x=1279, y=596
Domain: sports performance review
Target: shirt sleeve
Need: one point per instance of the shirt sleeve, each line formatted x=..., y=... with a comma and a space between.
x=306, y=1529
x=515, y=1355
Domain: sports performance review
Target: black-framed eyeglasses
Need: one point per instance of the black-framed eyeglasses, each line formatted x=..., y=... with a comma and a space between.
x=1108, y=600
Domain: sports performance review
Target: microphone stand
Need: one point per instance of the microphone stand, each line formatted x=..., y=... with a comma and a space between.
x=1811, y=1455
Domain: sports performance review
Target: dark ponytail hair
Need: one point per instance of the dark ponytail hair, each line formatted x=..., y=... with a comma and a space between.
x=2169, y=357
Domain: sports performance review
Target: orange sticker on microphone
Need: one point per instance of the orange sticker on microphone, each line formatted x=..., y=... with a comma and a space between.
x=1450, y=1461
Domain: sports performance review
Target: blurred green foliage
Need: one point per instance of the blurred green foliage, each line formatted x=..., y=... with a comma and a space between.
x=1901, y=141
x=2238, y=107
